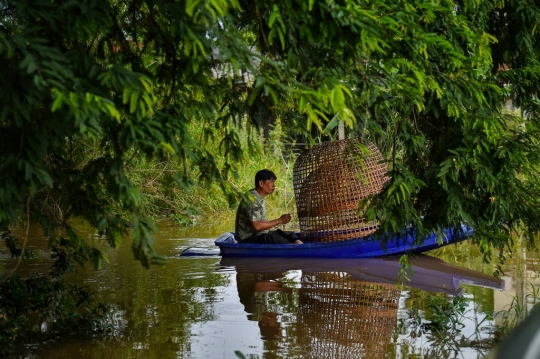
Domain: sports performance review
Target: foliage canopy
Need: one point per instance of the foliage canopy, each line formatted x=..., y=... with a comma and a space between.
x=425, y=80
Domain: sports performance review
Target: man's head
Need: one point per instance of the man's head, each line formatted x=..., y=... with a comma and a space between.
x=264, y=182
x=264, y=175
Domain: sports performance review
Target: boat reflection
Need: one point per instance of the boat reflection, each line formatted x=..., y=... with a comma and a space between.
x=347, y=308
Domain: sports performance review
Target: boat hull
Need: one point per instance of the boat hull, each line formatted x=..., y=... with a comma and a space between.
x=368, y=247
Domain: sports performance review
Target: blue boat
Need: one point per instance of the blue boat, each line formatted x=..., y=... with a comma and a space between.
x=364, y=247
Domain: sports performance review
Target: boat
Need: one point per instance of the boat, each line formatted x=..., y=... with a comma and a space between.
x=362, y=247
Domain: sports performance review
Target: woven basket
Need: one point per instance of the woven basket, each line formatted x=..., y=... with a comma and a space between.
x=341, y=317
x=329, y=181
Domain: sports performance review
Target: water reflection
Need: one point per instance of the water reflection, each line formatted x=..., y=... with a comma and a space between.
x=428, y=273
x=265, y=308
x=253, y=290
x=346, y=308
x=342, y=317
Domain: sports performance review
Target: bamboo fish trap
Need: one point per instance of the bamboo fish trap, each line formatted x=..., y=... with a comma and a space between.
x=329, y=181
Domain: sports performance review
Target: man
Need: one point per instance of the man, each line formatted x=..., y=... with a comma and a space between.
x=251, y=224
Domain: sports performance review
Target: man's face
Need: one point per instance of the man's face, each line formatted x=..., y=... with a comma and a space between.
x=268, y=186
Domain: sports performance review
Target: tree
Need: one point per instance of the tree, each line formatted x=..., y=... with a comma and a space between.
x=89, y=85
x=427, y=81
x=80, y=75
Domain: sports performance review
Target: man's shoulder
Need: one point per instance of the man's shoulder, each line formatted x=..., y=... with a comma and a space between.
x=251, y=195
x=248, y=198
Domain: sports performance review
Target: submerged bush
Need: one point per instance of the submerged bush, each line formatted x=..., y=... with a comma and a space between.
x=45, y=308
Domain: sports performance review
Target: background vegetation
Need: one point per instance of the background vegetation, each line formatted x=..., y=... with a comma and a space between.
x=164, y=198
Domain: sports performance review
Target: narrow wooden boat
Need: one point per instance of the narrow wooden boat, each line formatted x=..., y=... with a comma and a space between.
x=363, y=247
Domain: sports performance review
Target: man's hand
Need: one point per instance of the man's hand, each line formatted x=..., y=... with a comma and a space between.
x=285, y=218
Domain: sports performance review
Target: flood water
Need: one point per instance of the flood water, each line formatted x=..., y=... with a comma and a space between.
x=213, y=307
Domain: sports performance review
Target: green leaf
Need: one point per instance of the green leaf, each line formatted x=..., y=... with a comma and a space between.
x=167, y=147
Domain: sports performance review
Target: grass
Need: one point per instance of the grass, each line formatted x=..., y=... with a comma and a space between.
x=165, y=197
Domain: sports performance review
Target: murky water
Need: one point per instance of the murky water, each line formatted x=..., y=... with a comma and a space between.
x=211, y=307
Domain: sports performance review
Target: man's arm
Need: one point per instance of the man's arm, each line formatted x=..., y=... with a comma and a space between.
x=262, y=225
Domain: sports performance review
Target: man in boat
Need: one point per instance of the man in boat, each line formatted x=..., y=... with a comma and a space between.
x=252, y=225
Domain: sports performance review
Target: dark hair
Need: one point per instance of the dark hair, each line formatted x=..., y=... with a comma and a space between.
x=264, y=175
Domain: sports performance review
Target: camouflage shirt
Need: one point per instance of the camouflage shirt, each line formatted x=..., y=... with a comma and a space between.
x=248, y=211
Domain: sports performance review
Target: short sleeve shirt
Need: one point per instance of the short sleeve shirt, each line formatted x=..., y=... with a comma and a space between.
x=250, y=210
